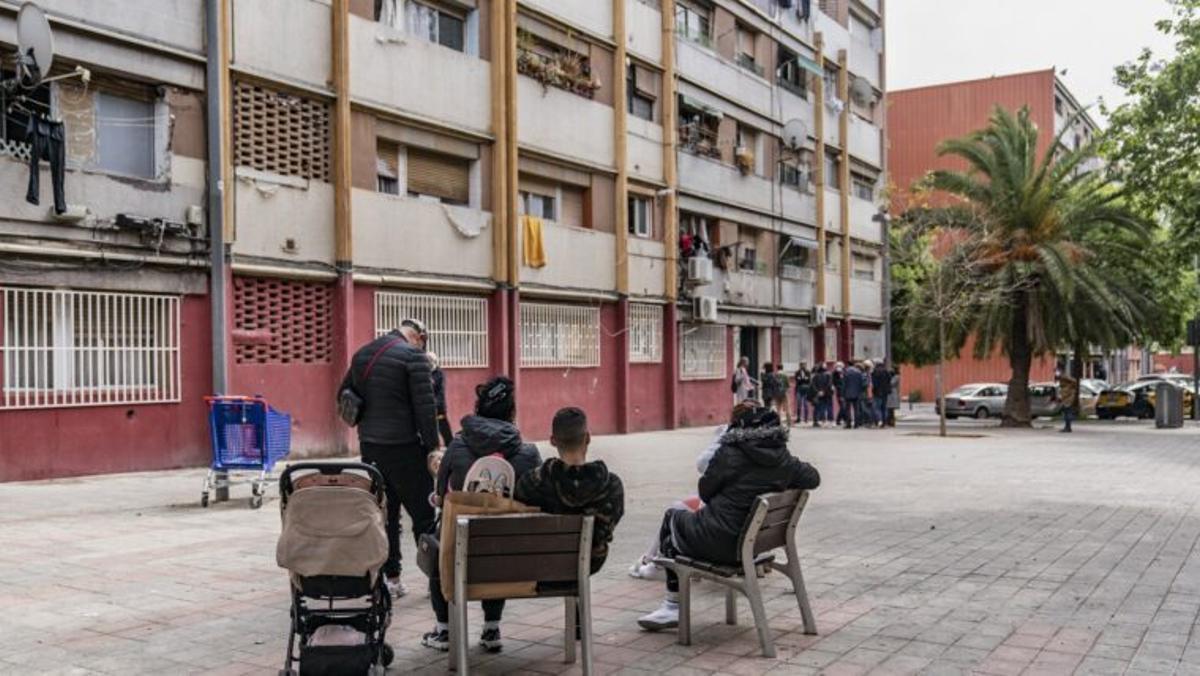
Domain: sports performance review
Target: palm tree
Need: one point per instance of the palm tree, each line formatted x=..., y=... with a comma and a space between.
x=1040, y=225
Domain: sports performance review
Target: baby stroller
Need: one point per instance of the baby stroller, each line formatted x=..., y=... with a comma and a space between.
x=334, y=545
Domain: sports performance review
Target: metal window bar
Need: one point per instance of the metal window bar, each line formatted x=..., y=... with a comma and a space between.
x=645, y=333
x=64, y=348
x=702, y=351
x=458, y=325
x=560, y=335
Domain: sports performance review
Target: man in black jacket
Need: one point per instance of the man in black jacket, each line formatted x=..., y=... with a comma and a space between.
x=753, y=459
x=398, y=428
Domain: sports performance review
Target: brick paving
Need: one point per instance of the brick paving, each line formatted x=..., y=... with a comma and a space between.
x=1011, y=553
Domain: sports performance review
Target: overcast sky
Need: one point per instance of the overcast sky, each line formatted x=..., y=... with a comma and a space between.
x=933, y=41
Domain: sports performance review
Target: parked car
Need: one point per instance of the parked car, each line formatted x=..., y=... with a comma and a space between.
x=1136, y=399
x=1045, y=402
x=979, y=400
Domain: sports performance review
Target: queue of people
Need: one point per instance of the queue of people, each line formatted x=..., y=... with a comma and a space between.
x=862, y=394
x=399, y=415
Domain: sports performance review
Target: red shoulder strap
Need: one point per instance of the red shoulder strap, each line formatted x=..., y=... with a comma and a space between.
x=377, y=355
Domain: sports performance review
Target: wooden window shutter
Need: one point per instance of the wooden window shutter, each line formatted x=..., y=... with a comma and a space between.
x=571, y=212
x=387, y=159
x=438, y=175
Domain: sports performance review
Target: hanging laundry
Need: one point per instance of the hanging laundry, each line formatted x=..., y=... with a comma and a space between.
x=46, y=138
x=535, y=247
x=805, y=10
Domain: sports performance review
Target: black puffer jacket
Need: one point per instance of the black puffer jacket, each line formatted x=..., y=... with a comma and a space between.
x=482, y=437
x=398, y=402
x=588, y=489
x=749, y=463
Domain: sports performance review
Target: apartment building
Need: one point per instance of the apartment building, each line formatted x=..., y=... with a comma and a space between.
x=610, y=201
x=921, y=118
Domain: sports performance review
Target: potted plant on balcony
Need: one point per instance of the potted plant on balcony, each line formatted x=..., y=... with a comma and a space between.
x=744, y=158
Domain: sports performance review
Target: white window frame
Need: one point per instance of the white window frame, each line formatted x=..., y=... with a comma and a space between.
x=152, y=122
x=645, y=333
x=703, y=351
x=559, y=335
x=67, y=348
x=437, y=10
x=642, y=223
x=555, y=200
x=863, y=266
x=457, y=325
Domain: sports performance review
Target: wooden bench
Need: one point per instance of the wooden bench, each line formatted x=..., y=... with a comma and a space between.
x=771, y=525
x=553, y=550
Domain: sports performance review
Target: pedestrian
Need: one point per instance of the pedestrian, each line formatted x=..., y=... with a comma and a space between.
x=743, y=384
x=1068, y=394
x=753, y=459
x=782, y=387
x=881, y=389
x=803, y=392
x=489, y=431
x=397, y=430
x=853, y=389
x=774, y=390
x=893, y=398
x=822, y=393
x=839, y=390
x=439, y=393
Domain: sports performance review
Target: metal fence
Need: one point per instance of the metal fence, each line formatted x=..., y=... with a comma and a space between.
x=702, y=351
x=83, y=348
x=645, y=333
x=559, y=335
x=457, y=325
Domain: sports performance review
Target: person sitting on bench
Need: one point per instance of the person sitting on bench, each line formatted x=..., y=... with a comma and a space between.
x=753, y=459
x=569, y=484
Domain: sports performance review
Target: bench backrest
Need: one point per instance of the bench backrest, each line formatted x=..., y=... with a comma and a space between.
x=527, y=547
x=772, y=521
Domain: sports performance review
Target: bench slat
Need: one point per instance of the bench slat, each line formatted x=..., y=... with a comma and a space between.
x=497, y=545
x=784, y=498
x=532, y=524
x=770, y=539
x=522, y=568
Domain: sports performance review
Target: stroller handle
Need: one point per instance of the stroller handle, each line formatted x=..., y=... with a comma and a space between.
x=329, y=469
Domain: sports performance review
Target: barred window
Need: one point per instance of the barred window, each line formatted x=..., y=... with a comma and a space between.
x=280, y=133
x=645, y=333
x=81, y=348
x=457, y=325
x=702, y=351
x=795, y=346
x=559, y=335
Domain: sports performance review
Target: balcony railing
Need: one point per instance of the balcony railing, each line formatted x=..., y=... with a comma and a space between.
x=746, y=62
x=699, y=140
x=702, y=39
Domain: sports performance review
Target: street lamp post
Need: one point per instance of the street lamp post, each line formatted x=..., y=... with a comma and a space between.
x=883, y=219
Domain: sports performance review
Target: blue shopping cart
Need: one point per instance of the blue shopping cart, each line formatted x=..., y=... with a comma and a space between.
x=247, y=435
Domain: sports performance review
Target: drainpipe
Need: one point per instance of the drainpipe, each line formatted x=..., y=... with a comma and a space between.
x=214, y=72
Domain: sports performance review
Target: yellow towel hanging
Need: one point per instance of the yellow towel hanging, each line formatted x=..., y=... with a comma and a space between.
x=535, y=249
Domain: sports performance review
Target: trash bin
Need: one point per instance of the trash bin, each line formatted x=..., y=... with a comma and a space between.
x=1168, y=406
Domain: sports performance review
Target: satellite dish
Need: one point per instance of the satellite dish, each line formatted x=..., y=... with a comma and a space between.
x=795, y=133
x=36, y=45
x=862, y=92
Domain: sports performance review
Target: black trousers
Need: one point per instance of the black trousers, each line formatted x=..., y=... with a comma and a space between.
x=493, y=609
x=47, y=141
x=667, y=548
x=444, y=430
x=408, y=483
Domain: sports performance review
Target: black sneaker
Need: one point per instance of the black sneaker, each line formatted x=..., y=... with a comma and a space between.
x=438, y=640
x=490, y=640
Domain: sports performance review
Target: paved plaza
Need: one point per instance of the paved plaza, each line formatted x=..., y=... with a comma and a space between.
x=994, y=552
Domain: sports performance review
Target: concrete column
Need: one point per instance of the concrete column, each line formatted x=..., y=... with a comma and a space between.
x=624, y=408
x=671, y=357
x=819, y=174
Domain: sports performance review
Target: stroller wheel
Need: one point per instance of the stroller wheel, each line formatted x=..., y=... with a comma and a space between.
x=386, y=654
x=204, y=499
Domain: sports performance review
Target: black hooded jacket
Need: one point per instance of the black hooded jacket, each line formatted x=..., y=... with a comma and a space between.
x=481, y=437
x=399, y=406
x=588, y=489
x=749, y=462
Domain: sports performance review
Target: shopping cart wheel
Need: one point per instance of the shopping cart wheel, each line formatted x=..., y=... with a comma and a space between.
x=256, y=501
x=204, y=499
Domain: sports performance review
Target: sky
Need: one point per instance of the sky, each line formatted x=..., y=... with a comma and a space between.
x=935, y=41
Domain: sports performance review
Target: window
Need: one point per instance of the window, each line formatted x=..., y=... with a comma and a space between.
x=439, y=176
x=559, y=335
x=833, y=171
x=795, y=346
x=645, y=333
x=795, y=255
x=703, y=351
x=387, y=168
x=864, y=267
x=458, y=325
x=639, y=103
x=698, y=128
x=794, y=176
x=864, y=189
x=790, y=75
x=81, y=348
x=745, y=55
x=692, y=21
x=435, y=24
x=387, y=12
x=534, y=204
x=641, y=221
x=748, y=259
x=830, y=7
x=833, y=255
x=125, y=135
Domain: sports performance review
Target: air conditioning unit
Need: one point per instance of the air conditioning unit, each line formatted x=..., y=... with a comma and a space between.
x=704, y=309
x=818, y=316
x=699, y=270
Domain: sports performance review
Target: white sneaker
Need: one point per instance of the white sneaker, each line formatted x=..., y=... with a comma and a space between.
x=646, y=570
x=396, y=586
x=666, y=617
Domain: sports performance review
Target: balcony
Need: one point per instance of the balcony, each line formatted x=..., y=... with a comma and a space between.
x=872, y=5
x=576, y=258
x=747, y=63
x=643, y=24
x=550, y=120
x=837, y=36
x=268, y=34
x=864, y=59
x=833, y=291
x=799, y=293
x=799, y=205
x=866, y=299
x=411, y=74
x=712, y=178
x=701, y=65
x=284, y=218
x=385, y=226
x=862, y=225
x=793, y=107
x=178, y=24
x=594, y=16
x=644, y=148
x=745, y=289
x=647, y=267
x=866, y=141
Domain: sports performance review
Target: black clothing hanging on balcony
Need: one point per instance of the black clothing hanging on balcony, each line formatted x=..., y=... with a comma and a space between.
x=804, y=10
x=46, y=140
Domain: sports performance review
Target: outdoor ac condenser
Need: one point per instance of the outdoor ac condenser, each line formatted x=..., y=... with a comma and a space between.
x=704, y=309
x=699, y=270
x=818, y=316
